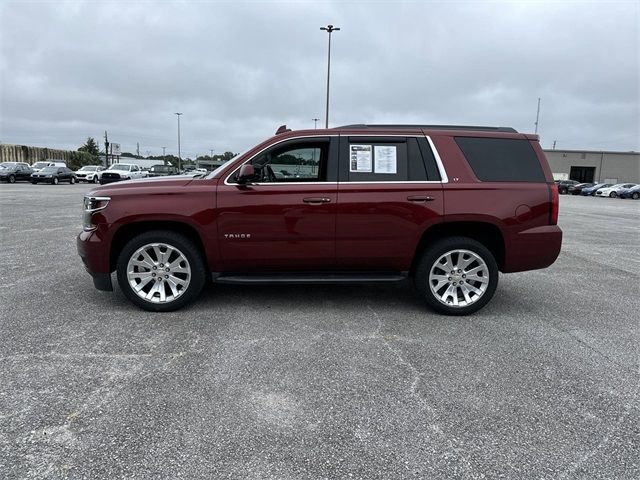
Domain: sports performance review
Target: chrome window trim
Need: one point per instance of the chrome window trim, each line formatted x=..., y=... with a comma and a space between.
x=443, y=173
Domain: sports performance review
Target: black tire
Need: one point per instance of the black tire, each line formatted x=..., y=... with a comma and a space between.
x=613, y=195
x=434, y=253
x=72, y=180
x=95, y=179
x=55, y=181
x=12, y=179
x=563, y=191
x=635, y=195
x=185, y=246
x=33, y=183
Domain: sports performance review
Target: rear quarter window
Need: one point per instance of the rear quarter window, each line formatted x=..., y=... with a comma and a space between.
x=501, y=159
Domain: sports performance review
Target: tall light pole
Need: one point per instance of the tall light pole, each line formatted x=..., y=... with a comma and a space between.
x=315, y=123
x=328, y=29
x=537, y=116
x=179, y=157
x=164, y=156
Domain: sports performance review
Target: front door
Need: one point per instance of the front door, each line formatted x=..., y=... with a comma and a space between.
x=285, y=218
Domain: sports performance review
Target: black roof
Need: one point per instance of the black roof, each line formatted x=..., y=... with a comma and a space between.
x=431, y=127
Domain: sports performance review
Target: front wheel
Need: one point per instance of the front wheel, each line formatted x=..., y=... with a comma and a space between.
x=161, y=271
x=613, y=195
x=95, y=180
x=635, y=195
x=54, y=181
x=457, y=276
x=12, y=179
x=72, y=180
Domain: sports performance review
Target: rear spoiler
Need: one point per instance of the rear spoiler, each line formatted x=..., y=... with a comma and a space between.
x=530, y=136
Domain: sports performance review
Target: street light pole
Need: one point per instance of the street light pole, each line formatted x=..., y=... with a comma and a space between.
x=328, y=29
x=164, y=157
x=179, y=157
x=315, y=123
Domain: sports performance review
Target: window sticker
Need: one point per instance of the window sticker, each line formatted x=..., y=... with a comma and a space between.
x=360, y=158
x=386, y=159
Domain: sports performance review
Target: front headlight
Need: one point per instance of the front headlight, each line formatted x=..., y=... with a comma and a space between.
x=91, y=206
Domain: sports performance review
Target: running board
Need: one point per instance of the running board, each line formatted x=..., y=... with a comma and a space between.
x=298, y=278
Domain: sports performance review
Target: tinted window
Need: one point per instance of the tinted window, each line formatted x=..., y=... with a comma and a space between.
x=501, y=160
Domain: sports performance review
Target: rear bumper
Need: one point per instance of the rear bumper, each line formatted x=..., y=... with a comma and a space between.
x=95, y=257
x=533, y=249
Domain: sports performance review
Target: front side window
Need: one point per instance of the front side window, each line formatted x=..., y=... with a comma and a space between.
x=304, y=162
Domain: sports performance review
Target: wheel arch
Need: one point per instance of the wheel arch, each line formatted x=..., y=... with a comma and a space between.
x=484, y=232
x=131, y=230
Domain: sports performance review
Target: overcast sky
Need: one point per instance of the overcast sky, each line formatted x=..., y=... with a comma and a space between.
x=237, y=70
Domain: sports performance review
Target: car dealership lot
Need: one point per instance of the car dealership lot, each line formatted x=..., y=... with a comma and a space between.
x=318, y=382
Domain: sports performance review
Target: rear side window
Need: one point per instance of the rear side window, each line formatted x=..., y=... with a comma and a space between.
x=501, y=159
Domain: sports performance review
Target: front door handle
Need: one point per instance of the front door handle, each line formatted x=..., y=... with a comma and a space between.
x=420, y=198
x=316, y=200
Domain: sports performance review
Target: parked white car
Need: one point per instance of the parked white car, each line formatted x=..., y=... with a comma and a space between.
x=121, y=171
x=613, y=190
x=89, y=173
x=46, y=163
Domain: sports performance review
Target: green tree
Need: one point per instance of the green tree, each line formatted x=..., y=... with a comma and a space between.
x=90, y=147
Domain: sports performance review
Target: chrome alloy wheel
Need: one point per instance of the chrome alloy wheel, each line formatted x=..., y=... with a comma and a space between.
x=158, y=273
x=459, y=278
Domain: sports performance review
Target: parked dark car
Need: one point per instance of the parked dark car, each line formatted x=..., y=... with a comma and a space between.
x=563, y=185
x=162, y=170
x=15, y=172
x=633, y=192
x=591, y=191
x=54, y=175
x=577, y=189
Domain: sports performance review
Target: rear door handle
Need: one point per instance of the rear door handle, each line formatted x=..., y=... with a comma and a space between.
x=316, y=200
x=420, y=198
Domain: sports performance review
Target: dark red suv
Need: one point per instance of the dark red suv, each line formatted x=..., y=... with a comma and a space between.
x=447, y=206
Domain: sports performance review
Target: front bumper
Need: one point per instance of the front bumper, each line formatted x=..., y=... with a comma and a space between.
x=95, y=257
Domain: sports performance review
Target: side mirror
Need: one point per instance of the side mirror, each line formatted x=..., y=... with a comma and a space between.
x=247, y=174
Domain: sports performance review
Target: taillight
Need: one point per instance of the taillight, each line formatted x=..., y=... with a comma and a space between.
x=555, y=204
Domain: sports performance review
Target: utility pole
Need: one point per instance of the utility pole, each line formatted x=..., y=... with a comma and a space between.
x=554, y=145
x=537, y=116
x=328, y=29
x=138, y=149
x=106, y=149
x=179, y=156
x=212, y=154
x=164, y=157
x=315, y=123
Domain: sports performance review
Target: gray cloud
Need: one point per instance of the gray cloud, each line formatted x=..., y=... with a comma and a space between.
x=237, y=70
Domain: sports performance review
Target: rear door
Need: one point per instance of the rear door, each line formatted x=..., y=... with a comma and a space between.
x=285, y=219
x=389, y=193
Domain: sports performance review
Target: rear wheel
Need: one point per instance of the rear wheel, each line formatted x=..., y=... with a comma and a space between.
x=12, y=179
x=161, y=271
x=457, y=276
x=635, y=195
x=613, y=194
x=54, y=181
x=72, y=180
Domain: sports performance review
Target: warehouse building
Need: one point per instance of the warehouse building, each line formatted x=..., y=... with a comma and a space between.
x=592, y=166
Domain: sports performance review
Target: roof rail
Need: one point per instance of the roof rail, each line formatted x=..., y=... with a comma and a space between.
x=431, y=127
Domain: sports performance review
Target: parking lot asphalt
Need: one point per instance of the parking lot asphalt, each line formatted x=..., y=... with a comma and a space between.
x=318, y=382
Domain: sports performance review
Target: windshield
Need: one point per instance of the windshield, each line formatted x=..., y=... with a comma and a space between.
x=40, y=164
x=217, y=171
x=88, y=168
x=49, y=169
x=118, y=166
x=8, y=164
